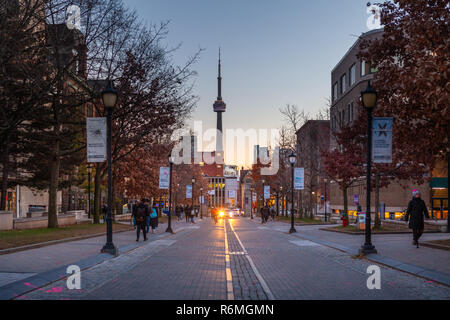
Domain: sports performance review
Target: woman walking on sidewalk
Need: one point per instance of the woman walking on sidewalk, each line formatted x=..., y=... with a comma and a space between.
x=154, y=219
x=416, y=210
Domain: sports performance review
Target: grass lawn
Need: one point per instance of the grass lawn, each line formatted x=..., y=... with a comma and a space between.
x=354, y=229
x=298, y=220
x=444, y=242
x=17, y=238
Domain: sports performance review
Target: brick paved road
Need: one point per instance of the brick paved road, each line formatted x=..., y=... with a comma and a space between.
x=265, y=263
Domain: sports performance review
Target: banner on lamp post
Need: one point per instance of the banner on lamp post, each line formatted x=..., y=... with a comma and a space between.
x=164, y=177
x=189, y=191
x=266, y=192
x=96, y=139
x=382, y=140
x=299, y=178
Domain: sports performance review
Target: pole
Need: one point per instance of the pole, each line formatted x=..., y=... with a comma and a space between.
x=89, y=191
x=292, y=230
x=109, y=246
x=201, y=204
x=368, y=248
x=325, y=202
x=448, y=192
x=278, y=204
x=251, y=204
x=192, y=199
x=169, y=226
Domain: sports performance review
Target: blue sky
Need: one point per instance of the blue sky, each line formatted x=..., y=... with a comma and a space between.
x=274, y=52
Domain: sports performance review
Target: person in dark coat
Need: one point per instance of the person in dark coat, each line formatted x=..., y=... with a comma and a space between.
x=415, y=214
x=140, y=213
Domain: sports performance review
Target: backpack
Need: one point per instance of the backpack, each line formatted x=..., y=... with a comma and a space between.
x=140, y=215
x=153, y=214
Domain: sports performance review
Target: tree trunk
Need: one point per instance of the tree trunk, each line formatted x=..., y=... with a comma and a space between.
x=53, y=188
x=345, y=201
x=5, y=173
x=97, y=194
x=377, y=201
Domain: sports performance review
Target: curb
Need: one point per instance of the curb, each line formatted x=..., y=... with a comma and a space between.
x=24, y=286
x=49, y=243
x=374, y=233
x=435, y=246
x=418, y=271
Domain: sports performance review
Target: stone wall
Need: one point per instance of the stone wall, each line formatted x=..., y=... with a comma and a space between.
x=42, y=222
x=6, y=220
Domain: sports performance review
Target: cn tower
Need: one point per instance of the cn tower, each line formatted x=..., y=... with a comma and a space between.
x=219, y=108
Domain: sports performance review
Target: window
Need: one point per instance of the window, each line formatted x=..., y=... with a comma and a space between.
x=343, y=82
x=373, y=69
x=351, y=115
x=335, y=91
x=367, y=68
x=352, y=75
x=364, y=68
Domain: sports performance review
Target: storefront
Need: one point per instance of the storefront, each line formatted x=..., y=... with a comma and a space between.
x=439, y=198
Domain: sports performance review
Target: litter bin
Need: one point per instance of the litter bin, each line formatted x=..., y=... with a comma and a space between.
x=362, y=221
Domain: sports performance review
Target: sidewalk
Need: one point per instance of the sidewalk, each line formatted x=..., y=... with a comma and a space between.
x=394, y=250
x=24, y=270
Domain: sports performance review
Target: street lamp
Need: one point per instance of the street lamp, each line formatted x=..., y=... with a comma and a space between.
x=369, y=100
x=292, y=159
x=201, y=203
x=193, y=183
x=263, y=187
x=169, y=224
x=89, y=189
x=251, y=202
x=109, y=98
x=325, y=181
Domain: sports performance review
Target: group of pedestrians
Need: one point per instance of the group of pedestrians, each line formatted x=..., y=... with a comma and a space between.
x=266, y=213
x=188, y=212
x=144, y=218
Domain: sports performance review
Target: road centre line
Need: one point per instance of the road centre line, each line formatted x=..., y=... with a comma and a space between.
x=252, y=264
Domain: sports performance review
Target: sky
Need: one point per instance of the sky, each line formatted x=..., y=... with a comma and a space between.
x=274, y=52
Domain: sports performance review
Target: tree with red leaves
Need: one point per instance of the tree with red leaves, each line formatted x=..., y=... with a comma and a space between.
x=412, y=79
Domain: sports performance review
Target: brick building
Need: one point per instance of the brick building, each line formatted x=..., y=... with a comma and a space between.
x=348, y=79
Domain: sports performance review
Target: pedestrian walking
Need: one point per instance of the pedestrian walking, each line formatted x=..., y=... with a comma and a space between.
x=265, y=212
x=147, y=220
x=140, y=213
x=178, y=212
x=187, y=213
x=273, y=213
x=415, y=213
x=154, y=219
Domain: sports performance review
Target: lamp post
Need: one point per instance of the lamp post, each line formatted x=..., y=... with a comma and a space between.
x=325, y=181
x=263, y=187
x=292, y=159
x=109, y=98
x=201, y=203
x=193, y=183
x=89, y=190
x=169, y=223
x=369, y=100
x=251, y=203
x=282, y=199
x=278, y=203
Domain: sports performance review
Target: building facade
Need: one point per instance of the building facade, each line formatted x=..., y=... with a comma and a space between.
x=348, y=79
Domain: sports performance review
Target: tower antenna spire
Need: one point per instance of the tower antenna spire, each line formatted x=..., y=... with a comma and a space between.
x=219, y=78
